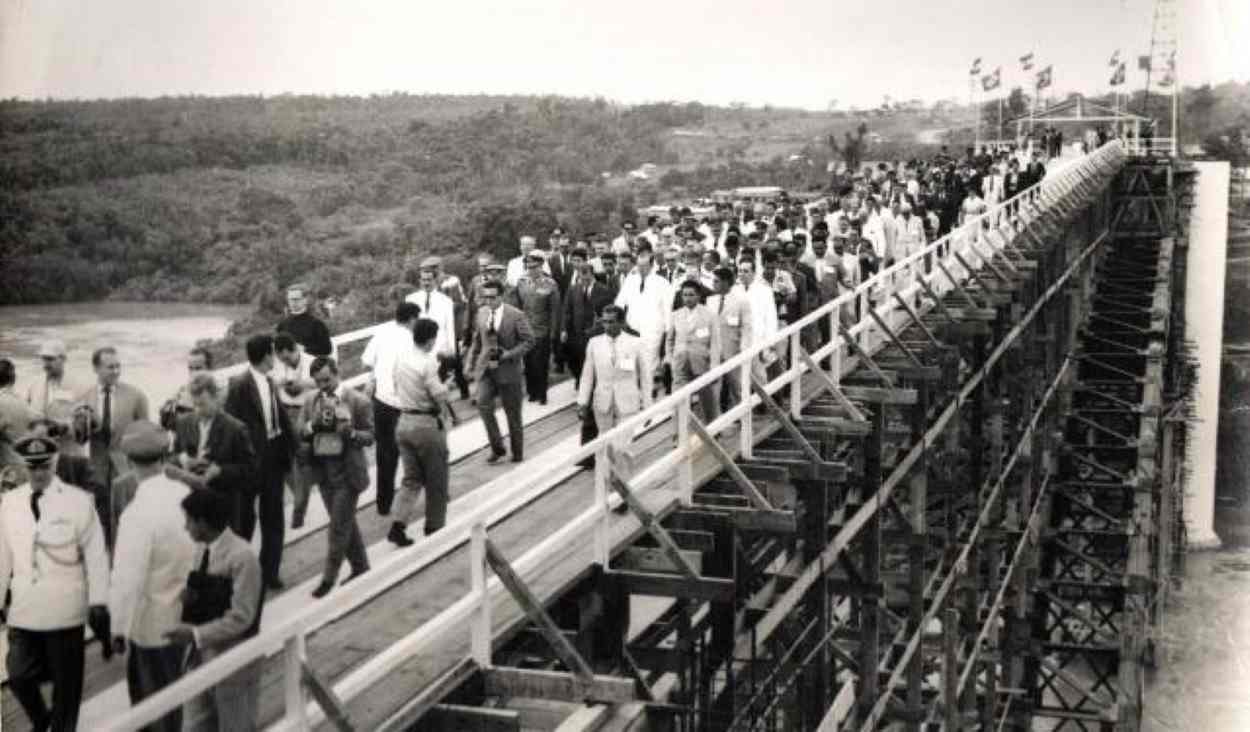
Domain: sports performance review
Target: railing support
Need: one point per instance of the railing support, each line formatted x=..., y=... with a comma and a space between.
x=294, y=654
x=480, y=630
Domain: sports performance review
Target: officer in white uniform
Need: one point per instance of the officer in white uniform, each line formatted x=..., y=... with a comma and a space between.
x=53, y=560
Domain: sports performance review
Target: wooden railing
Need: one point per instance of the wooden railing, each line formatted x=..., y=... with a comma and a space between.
x=884, y=300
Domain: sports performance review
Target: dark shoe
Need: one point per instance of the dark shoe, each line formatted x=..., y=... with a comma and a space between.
x=543, y=402
x=297, y=524
x=496, y=457
x=517, y=458
x=275, y=584
x=398, y=536
x=353, y=576
x=429, y=531
x=322, y=590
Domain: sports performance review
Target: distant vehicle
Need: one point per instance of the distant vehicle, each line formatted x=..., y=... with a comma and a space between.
x=639, y=174
x=758, y=193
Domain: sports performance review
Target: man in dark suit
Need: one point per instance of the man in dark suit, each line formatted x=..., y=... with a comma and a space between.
x=252, y=398
x=112, y=406
x=214, y=450
x=501, y=338
x=558, y=262
x=336, y=424
x=585, y=300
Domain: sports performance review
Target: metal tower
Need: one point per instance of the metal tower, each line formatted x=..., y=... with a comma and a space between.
x=1161, y=68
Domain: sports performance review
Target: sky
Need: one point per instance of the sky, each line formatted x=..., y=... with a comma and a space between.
x=793, y=53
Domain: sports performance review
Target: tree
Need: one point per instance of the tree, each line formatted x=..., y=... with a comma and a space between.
x=851, y=150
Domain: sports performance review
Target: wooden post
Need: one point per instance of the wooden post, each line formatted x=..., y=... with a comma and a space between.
x=480, y=631
x=950, y=670
x=870, y=571
x=294, y=654
x=918, y=486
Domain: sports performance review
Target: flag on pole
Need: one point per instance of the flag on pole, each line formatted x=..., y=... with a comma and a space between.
x=1045, y=76
x=1026, y=61
x=1117, y=78
x=976, y=66
x=990, y=82
x=1115, y=59
x=1143, y=63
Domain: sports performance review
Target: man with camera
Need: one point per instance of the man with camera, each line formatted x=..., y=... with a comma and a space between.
x=502, y=337
x=336, y=424
x=53, y=560
x=150, y=567
x=52, y=396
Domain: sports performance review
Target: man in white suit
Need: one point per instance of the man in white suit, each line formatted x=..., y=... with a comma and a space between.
x=733, y=312
x=616, y=382
x=694, y=347
x=647, y=300
x=153, y=557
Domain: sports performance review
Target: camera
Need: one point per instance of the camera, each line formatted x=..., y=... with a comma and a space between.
x=327, y=416
x=326, y=439
x=493, y=356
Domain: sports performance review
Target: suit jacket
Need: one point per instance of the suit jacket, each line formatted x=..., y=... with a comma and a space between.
x=231, y=557
x=580, y=311
x=561, y=270
x=351, y=471
x=243, y=403
x=514, y=338
x=694, y=339
x=128, y=405
x=735, y=321
x=614, y=375
x=229, y=445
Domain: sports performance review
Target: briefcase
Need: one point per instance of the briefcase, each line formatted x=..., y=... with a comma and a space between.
x=207, y=597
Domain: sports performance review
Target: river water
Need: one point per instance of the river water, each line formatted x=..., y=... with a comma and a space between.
x=152, y=339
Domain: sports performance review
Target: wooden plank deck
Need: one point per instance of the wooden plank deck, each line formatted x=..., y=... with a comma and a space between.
x=104, y=690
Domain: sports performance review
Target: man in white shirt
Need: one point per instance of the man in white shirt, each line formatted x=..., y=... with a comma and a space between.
x=290, y=375
x=53, y=397
x=763, y=304
x=733, y=313
x=628, y=239
x=392, y=342
x=437, y=307
x=648, y=300
x=52, y=559
x=516, y=265
x=153, y=557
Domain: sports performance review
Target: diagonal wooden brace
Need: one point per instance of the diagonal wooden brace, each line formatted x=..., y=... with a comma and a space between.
x=915, y=318
x=731, y=467
x=833, y=388
x=653, y=527
x=889, y=333
x=955, y=283
x=326, y=698
x=811, y=452
x=538, y=615
x=863, y=356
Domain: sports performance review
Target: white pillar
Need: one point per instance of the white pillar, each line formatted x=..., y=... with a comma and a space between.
x=1204, y=325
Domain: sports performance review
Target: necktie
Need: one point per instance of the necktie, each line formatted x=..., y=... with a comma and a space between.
x=720, y=307
x=427, y=304
x=34, y=503
x=204, y=562
x=491, y=327
x=106, y=419
x=273, y=408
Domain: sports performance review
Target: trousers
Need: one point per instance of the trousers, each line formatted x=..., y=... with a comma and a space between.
x=228, y=706
x=343, y=541
x=38, y=656
x=509, y=394
x=537, y=369
x=150, y=669
x=423, y=449
x=269, y=494
x=386, y=451
x=298, y=480
x=709, y=402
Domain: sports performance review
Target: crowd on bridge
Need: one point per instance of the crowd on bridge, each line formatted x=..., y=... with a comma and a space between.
x=137, y=523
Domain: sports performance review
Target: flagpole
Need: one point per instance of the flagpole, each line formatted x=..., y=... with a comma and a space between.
x=972, y=81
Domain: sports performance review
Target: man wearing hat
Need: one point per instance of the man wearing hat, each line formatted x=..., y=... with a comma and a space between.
x=153, y=557
x=516, y=265
x=52, y=396
x=52, y=559
x=538, y=296
x=486, y=270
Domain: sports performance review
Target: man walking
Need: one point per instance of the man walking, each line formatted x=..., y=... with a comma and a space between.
x=337, y=424
x=438, y=307
x=615, y=382
x=150, y=567
x=647, y=300
x=733, y=315
x=422, y=436
x=212, y=450
x=294, y=381
x=252, y=399
x=538, y=296
x=53, y=560
x=694, y=347
x=113, y=405
x=211, y=628
x=391, y=343
x=501, y=339
x=586, y=299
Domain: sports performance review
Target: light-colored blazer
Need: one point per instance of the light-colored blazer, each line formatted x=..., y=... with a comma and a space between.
x=614, y=375
x=735, y=321
x=128, y=405
x=694, y=339
x=231, y=557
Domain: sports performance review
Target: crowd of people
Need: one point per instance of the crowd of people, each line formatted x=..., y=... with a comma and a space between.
x=137, y=524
